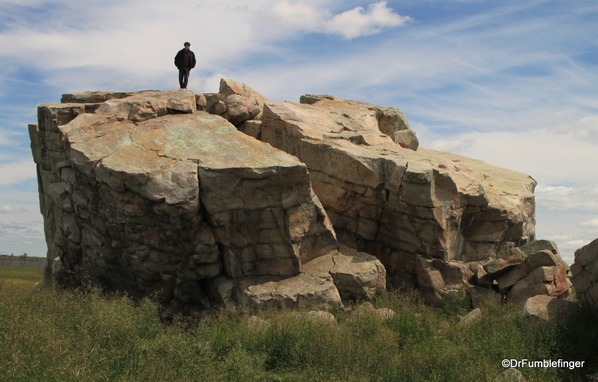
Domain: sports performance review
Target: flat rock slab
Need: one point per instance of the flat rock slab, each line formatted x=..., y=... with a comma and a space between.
x=303, y=291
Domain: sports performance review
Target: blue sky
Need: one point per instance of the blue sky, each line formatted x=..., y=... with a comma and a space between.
x=514, y=83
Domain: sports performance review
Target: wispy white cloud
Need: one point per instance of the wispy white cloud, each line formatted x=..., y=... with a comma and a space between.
x=570, y=246
x=583, y=129
x=5, y=137
x=561, y=198
x=11, y=209
x=16, y=172
x=554, y=159
x=590, y=223
x=21, y=230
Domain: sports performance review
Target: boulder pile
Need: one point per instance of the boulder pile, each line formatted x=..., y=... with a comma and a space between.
x=524, y=272
x=228, y=198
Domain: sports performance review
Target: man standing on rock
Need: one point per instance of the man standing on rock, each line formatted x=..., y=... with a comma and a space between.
x=184, y=61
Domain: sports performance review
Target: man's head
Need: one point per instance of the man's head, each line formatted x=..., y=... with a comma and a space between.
x=187, y=45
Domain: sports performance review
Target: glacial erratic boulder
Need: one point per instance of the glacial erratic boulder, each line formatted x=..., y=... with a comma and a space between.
x=316, y=203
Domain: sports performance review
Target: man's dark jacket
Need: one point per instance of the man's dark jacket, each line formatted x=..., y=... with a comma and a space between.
x=180, y=58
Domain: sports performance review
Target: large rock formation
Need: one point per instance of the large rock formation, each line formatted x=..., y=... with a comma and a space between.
x=432, y=218
x=161, y=191
x=585, y=274
x=146, y=194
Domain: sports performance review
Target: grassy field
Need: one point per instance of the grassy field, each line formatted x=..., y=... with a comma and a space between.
x=69, y=336
x=20, y=276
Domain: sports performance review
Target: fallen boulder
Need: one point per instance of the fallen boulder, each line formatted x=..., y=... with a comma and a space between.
x=301, y=291
x=357, y=275
x=548, y=308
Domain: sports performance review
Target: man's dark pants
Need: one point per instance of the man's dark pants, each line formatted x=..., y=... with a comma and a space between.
x=183, y=77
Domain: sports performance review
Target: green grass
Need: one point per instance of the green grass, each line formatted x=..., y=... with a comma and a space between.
x=70, y=336
x=21, y=276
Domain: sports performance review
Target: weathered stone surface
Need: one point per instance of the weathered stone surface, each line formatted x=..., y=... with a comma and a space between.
x=241, y=101
x=539, y=245
x=505, y=262
x=184, y=204
x=201, y=101
x=149, y=104
x=439, y=280
x=585, y=274
x=510, y=278
x=391, y=121
x=548, y=308
x=405, y=207
x=356, y=275
x=93, y=97
x=303, y=290
x=252, y=128
x=542, y=272
x=222, y=290
x=533, y=269
x=214, y=103
x=470, y=317
x=59, y=276
x=536, y=282
x=481, y=276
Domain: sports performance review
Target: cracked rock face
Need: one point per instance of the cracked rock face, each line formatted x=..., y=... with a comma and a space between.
x=430, y=217
x=146, y=192
x=141, y=200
